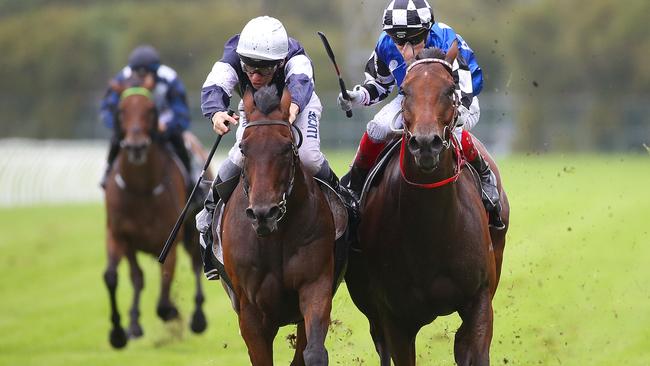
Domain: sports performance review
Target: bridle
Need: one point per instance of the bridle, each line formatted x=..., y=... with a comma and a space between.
x=282, y=205
x=448, y=137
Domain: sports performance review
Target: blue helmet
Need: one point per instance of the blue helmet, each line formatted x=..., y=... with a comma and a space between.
x=144, y=56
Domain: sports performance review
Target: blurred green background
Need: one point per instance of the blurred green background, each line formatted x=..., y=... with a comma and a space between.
x=559, y=75
x=564, y=108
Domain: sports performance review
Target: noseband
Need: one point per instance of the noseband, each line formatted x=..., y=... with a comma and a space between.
x=448, y=136
x=282, y=205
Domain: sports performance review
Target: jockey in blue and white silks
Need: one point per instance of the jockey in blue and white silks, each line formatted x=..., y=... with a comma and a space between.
x=168, y=94
x=408, y=28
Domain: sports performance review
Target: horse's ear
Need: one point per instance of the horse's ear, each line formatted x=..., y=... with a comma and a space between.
x=285, y=103
x=249, y=102
x=149, y=81
x=452, y=53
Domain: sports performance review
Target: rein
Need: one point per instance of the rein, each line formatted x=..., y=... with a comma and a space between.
x=282, y=205
x=407, y=135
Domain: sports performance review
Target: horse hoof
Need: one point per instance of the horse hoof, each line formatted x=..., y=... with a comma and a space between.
x=118, y=338
x=198, y=323
x=135, y=331
x=167, y=313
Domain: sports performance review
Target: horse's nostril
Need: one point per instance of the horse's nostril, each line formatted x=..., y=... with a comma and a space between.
x=250, y=213
x=274, y=212
x=413, y=144
x=436, y=144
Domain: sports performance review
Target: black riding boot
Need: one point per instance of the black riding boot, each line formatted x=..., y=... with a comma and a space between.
x=354, y=180
x=113, y=150
x=327, y=175
x=489, y=191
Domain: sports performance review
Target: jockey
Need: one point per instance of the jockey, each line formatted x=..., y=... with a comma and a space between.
x=169, y=96
x=262, y=55
x=409, y=27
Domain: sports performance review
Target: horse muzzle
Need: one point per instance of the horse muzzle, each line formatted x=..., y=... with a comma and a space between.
x=264, y=218
x=426, y=150
x=136, y=150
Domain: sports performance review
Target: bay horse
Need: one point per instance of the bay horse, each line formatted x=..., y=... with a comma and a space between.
x=145, y=193
x=278, y=238
x=425, y=248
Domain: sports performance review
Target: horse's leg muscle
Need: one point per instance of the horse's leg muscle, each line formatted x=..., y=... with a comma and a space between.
x=198, y=323
x=473, y=338
x=401, y=343
x=137, y=279
x=378, y=337
x=117, y=336
x=316, y=305
x=257, y=334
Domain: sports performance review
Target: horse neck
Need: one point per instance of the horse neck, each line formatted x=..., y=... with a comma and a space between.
x=145, y=177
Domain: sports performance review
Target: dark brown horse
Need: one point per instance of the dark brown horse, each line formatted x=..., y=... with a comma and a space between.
x=278, y=238
x=146, y=191
x=425, y=246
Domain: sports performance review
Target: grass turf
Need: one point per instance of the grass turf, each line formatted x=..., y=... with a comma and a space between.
x=574, y=288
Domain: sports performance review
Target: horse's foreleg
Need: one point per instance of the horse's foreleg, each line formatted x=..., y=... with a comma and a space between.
x=378, y=337
x=198, y=323
x=473, y=338
x=401, y=342
x=137, y=279
x=166, y=310
x=258, y=334
x=117, y=336
x=316, y=305
x=301, y=343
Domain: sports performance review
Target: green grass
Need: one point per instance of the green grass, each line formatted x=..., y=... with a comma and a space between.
x=575, y=288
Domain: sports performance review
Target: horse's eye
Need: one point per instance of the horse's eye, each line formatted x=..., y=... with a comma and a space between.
x=242, y=149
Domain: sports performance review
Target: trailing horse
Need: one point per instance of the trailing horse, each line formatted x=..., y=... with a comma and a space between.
x=145, y=192
x=425, y=248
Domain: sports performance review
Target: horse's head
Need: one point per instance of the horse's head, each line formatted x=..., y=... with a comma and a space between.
x=137, y=117
x=270, y=157
x=430, y=107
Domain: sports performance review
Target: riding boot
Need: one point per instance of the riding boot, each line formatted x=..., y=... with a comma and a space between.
x=327, y=175
x=489, y=191
x=113, y=150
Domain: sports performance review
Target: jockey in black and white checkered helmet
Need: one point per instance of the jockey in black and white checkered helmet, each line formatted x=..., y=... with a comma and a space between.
x=404, y=19
x=408, y=28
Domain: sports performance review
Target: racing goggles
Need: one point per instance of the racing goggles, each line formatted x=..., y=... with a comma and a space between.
x=404, y=36
x=262, y=67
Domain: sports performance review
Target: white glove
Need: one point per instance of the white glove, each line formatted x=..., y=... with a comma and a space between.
x=358, y=96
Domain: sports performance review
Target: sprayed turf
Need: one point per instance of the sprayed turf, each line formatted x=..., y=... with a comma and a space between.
x=575, y=288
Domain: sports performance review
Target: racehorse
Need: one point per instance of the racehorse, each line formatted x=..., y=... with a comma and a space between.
x=278, y=238
x=425, y=248
x=145, y=192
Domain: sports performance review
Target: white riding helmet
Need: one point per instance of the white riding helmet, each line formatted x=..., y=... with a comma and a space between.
x=263, y=38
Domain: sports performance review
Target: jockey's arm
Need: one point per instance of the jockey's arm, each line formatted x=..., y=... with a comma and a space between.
x=299, y=78
x=379, y=82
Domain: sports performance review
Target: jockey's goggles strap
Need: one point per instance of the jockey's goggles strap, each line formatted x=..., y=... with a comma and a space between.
x=136, y=90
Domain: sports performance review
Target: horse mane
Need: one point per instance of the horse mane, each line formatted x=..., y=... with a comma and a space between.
x=431, y=52
x=267, y=99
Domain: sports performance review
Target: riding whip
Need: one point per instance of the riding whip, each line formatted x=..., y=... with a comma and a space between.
x=181, y=218
x=330, y=53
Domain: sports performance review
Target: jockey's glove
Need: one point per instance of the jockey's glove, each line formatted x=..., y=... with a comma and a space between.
x=358, y=96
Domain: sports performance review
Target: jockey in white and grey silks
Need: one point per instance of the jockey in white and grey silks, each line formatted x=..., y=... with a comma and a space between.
x=262, y=55
x=409, y=27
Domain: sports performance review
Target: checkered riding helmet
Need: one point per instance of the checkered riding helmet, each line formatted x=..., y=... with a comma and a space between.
x=407, y=17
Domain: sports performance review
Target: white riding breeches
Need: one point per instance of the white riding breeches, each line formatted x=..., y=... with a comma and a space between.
x=307, y=121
